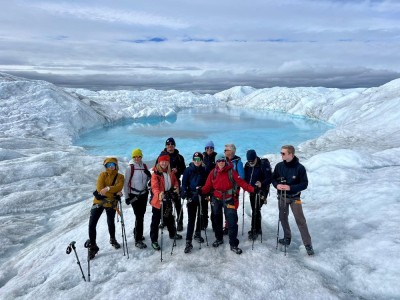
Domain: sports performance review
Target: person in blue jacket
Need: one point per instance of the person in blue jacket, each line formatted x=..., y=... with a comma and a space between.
x=236, y=162
x=194, y=177
x=209, y=163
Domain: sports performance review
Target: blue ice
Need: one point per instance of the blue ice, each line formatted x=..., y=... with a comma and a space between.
x=264, y=131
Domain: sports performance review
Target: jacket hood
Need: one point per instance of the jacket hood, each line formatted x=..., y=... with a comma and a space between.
x=111, y=159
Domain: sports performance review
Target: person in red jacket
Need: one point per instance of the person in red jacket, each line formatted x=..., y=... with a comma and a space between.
x=222, y=182
x=165, y=187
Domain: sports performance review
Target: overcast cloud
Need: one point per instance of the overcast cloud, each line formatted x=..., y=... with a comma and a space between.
x=201, y=45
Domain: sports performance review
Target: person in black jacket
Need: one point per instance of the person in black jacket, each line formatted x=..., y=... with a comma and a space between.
x=177, y=163
x=257, y=171
x=209, y=162
x=193, y=178
x=290, y=178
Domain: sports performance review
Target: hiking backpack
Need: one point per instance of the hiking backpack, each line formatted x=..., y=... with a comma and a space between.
x=146, y=171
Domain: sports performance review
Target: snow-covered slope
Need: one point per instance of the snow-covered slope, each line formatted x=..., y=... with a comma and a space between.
x=351, y=205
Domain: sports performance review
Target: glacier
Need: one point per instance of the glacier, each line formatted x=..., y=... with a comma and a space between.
x=352, y=203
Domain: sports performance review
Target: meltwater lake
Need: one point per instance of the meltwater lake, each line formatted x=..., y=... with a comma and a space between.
x=264, y=131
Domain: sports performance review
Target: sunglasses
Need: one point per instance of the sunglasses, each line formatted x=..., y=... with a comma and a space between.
x=136, y=157
x=250, y=161
x=170, y=144
x=226, y=150
x=221, y=160
x=110, y=164
x=283, y=153
x=207, y=148
x=197, y=159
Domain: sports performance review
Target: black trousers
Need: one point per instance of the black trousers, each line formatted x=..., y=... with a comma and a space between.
x=204, y=206
x=193, y=209
x=139, y=209
x=178, y=207
x=226, y=208
x=95, y=214
x=256, y=213
x=168, y=220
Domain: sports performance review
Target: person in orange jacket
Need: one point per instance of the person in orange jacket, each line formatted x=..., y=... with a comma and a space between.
x=165, y=188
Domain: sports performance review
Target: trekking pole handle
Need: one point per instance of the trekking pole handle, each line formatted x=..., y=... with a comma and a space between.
x=70, y=247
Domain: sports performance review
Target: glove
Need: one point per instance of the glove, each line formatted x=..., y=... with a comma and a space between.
x=176, y=190
x=256, y=189
x=199, y=192
x=183, y=194
x=128, y=200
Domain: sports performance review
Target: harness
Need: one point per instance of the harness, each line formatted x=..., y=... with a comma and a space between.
x=112, y=201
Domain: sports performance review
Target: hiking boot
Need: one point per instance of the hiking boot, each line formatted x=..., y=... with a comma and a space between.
x=92, y=251
x=198, y=238
x=285, y=241
x=115, y=244
x=217, y=243
x=309, y=249
x=225, y=231
x=140, y=245
x=188, y=247
x=177, y=236
x=156, y=246
x=236, y=249
x=179, y=227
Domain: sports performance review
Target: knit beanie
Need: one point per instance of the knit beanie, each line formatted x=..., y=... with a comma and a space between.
x=137, y=152
x=251, y=155
x=210, y=144
x=164, y=156
x=170, y=141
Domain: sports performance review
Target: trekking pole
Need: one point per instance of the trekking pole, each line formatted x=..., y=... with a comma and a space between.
x=243, y=213
x=284, y=213
x=87, y=245
x=124, y=241
x=122, y=228
x=277, y=233
x=180, y=213
x=162, y=225
x=259, y=205
x=282, y=205
x=72, y=246
x=254, y=220
x=201, y=219
x=199, y=214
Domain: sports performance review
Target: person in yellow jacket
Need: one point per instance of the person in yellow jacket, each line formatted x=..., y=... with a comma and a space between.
x=108, y=190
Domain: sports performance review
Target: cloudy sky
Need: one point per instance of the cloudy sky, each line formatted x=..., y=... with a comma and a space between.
x=201, y=45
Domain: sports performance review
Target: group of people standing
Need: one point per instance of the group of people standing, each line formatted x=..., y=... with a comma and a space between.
x=209, y=178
